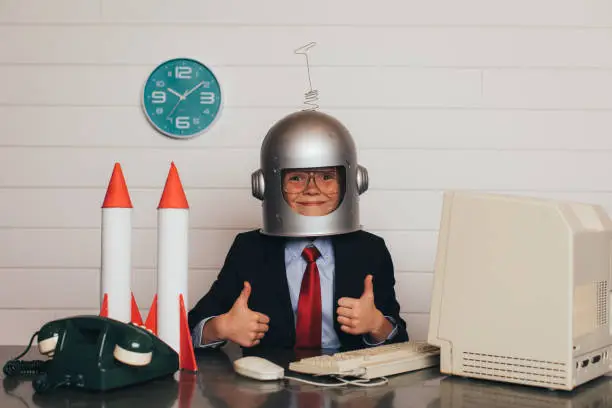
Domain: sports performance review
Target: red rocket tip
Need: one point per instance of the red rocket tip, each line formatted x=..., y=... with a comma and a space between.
x=187, y=360
x=173, y=195
x=117, y=194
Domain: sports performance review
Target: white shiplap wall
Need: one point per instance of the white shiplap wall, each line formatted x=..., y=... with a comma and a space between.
x=499, y=95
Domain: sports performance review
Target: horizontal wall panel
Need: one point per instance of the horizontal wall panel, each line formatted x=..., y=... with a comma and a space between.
x=236, y=12
x=388, y=168
x=23, y=324
x=66, y=167
x=548, y=89
x=420, y=46
x=246, y=86
x=500, y=170
x=371, y=128
x=126, y=126
x=413, y=291
x=417, y=325
x=24, y=288
x=80, y=208
x=44, y=11
x=80, y=249
x=321, y=12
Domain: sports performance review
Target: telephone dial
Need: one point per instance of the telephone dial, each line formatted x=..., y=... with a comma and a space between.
x=95, y=353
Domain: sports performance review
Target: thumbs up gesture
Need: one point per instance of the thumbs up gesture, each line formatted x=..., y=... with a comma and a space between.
x=241, y=324
x=360, y=316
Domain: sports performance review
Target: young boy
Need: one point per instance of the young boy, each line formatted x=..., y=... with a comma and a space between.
x=310, y=278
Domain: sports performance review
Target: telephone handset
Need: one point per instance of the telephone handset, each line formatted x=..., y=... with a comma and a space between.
x=95, y=353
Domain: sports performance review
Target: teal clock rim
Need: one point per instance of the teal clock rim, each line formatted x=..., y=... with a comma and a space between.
x=172, y=135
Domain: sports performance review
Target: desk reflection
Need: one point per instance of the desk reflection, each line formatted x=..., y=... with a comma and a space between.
x=456, y=392
x=162, y=393
x=223, y=388
x=217, y=385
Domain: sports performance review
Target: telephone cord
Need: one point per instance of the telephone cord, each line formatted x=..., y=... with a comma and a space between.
x=15, y=367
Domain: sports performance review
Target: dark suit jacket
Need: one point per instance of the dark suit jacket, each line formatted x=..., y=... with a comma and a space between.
x=260, y=260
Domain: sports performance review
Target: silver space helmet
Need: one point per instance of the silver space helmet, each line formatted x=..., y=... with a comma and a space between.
x=301, y=149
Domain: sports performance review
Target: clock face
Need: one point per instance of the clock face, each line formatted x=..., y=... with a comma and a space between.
x=182, y=98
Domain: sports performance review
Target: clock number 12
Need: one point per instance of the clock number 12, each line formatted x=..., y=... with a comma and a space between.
x=182, y=72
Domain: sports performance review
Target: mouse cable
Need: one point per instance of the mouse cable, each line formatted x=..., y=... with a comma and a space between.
x=363, y=383
x=342, y=383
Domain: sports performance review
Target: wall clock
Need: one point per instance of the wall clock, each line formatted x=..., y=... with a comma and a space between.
x=182, y=98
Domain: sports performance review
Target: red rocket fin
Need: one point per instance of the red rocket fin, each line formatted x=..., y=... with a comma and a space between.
x=151, y=322
x=104, y=308
x=187, y=356
x=136, y=317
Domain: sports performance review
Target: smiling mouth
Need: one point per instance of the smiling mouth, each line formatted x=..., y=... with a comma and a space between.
x=311, y=203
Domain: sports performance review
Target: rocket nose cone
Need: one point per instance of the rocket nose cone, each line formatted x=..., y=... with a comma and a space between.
x=117, y=195
x=173, y=195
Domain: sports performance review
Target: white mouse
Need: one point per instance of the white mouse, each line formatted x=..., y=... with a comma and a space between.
x=258, y=368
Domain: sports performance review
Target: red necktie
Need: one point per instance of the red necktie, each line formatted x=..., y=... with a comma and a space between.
x=309, y=315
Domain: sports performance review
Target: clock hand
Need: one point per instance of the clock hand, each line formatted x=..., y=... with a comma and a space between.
x=176, y=93
x=182, y=97
x=172, y=111
x=193, y=89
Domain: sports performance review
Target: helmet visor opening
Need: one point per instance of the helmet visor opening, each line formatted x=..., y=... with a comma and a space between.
x=315, y=191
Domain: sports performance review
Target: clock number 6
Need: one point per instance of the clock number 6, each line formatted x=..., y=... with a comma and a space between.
x=206, y=98
x=182, y=122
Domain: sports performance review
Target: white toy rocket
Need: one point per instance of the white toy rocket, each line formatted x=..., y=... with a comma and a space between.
x=117, y=299
x=168, y=314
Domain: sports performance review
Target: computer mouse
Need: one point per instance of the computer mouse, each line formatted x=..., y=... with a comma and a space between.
x=258, y=368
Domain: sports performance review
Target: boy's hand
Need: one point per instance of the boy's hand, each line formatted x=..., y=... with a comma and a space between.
x=242, y=325
x=360, y=316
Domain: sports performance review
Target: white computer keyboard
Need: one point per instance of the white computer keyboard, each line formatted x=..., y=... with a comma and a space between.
x=372, y=362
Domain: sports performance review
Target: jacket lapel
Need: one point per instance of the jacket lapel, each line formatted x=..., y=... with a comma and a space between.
x=277, y=275
x=344, y=279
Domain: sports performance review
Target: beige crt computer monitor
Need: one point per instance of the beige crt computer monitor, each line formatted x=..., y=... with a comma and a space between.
x=521, y=290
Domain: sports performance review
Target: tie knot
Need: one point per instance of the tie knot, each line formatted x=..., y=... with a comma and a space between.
x=310, y=254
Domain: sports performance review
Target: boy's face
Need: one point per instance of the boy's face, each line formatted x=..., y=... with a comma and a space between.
x=312, y=192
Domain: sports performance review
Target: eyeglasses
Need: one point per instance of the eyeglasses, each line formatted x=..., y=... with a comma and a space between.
x=297, y=181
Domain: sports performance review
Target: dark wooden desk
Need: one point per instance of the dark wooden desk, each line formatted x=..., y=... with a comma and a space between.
x=216, y=385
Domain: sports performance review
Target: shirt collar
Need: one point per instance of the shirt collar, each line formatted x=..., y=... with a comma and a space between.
x=295, y=246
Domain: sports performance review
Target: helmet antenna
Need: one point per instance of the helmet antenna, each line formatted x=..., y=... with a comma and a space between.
x=312, y=96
